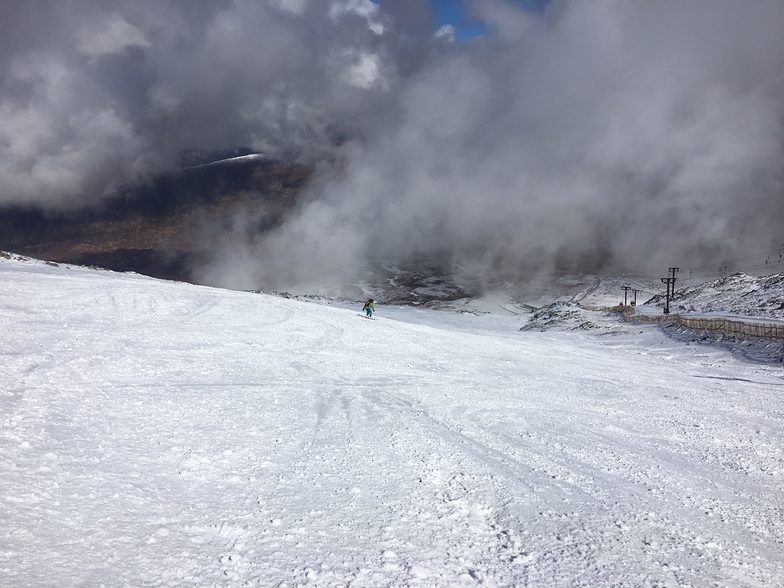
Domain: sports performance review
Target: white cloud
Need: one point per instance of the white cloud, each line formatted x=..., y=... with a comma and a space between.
x=113, y=34
x=364, y=8
x=293, y=6
x=446, y=33
x=365, y=72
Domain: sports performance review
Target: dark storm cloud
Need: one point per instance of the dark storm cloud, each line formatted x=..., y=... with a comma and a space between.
x=619, y=134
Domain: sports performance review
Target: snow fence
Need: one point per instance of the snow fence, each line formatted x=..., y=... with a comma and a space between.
x=735, y=326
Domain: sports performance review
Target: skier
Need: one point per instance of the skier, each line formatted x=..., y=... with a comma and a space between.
x=369, y=308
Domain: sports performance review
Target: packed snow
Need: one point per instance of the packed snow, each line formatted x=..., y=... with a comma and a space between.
x=159, y=433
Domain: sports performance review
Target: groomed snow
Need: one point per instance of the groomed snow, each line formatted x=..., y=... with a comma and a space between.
x=165, y=434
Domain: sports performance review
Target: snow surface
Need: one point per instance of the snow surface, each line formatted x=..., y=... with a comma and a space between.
x=233, y=160
x=737, y=295
x=157, y=433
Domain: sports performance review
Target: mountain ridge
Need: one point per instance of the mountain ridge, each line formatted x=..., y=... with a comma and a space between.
x=158, y=229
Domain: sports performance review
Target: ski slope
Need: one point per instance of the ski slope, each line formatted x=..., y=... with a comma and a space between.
x=165, y=434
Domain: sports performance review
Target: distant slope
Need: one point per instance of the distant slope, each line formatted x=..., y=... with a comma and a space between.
x=737, y=294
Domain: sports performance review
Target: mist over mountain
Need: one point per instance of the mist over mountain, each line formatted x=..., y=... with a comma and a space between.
x=163, y=227
x=612, y=135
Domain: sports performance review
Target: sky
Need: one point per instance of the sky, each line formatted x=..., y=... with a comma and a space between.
x=453, y=13
x=457, y=14
x=612, y=135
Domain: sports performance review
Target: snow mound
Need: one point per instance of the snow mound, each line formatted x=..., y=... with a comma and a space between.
x=571, y=316
x=7, y=255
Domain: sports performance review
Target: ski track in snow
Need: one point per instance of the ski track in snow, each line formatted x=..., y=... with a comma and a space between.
x=165, y=434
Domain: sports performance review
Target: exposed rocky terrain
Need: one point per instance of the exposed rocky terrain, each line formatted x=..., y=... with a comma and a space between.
x=159, y=229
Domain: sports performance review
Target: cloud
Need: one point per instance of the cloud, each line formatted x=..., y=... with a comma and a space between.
x=608, y=135
x=114, y=34
x=619, y=134
x=294, y=6
x=98, y=95
x=446, y=32
x=363, y=8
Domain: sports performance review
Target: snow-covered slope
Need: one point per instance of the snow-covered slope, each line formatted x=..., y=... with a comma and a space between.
x=737, y=294
x=157, y=433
